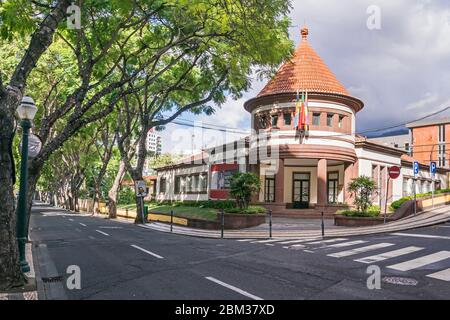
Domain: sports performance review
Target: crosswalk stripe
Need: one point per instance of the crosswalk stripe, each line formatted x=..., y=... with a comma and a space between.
x=346, y=244
x=360, y=250
x=297, y=241
x=417, y=235
x=389, y=254
x=245, y=240
x=266, y=241
x=422, y=261
x=328, y=241
x=441, y=275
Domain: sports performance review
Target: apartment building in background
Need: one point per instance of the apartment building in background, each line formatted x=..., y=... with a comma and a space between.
x=429, y=141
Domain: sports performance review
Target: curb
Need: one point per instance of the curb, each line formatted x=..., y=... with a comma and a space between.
x=29, y=290
x=424, y=219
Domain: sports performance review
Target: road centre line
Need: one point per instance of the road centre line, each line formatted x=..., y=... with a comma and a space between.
x=148, y=252
x=235, y=289
x=104, y=233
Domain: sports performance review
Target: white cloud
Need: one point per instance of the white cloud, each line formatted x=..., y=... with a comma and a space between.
x=401, y=67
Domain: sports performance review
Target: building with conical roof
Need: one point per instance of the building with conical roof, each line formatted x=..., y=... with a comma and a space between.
x=304, y=165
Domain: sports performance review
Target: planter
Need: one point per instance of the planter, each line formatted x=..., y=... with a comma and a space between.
x=232, y=221
x=406, y=209
x=344, y=221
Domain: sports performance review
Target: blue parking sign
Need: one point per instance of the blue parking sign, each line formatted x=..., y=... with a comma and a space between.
x=416, y=168
x=433, y=168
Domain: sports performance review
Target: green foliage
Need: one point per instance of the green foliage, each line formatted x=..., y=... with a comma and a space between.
x=126, y=196
x=243, y=186
x=249, y=210
x=212, y=204
x=362, y=189
x=398, y=203
x=356, y=213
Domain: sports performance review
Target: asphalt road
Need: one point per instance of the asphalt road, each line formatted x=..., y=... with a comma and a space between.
x=123, y=261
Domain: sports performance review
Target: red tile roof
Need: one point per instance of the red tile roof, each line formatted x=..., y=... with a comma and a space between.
x=304, y=71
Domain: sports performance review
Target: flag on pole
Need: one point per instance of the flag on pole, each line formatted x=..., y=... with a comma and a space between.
x=302, y=113
x=306, y=113
x=297, y=112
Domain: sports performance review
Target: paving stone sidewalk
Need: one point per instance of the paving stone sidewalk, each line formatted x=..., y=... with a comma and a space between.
x=28, y=292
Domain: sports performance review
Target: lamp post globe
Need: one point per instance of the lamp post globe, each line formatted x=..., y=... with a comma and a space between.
x=26, y=112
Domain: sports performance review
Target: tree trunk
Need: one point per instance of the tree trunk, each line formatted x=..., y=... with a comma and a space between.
x=137, y=175
x=10, y=273
x=112, y=193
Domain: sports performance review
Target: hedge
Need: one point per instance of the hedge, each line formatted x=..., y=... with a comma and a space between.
x=398, y=203
x=372, y=211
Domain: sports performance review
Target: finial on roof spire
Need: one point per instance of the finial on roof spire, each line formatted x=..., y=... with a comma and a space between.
x=304, y=32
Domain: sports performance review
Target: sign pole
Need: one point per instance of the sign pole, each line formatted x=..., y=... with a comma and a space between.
x=415, y=198
x=393, y=173
x=386, y=199
x=142, y=209
x=433, y=176
x=432, y=193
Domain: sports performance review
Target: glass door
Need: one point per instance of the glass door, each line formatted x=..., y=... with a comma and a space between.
x=333, y=189
x=301, y=190
x=269, y=189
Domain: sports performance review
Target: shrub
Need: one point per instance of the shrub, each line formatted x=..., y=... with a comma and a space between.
x=356, y=213
x=242, y=186
x=126, y=196
x=362, y=189
x=249, y=210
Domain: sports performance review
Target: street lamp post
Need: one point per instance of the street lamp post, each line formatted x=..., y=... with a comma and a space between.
x=26, y=111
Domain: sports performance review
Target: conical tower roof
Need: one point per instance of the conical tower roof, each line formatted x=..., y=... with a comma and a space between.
x=305, y=71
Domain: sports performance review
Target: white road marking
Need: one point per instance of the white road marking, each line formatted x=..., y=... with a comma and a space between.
x=104, y=233
x=309, y=251
x=444, y=226
x=360, y=250
x=91, y=237
x=441, y=275
x=347, y=244
x=297, y=241
x=245, y=240
x=269, y=244
x=146, y=251
x=70, y=219
x=266, y=241
x=422, y=261
x=82, y=224
x=235, y=289
x=390, y=254
x=429, y=236
x=327, y=241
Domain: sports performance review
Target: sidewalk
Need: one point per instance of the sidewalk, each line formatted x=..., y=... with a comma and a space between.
x=29, y=291
x=298, y=230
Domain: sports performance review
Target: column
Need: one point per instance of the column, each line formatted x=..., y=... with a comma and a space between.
x=254, y=168
x=322, y=182
x=279, y=182
x=348, y=176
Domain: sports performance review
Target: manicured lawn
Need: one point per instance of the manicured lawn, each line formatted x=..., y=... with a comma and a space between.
x=180, y=211
x=187, y=212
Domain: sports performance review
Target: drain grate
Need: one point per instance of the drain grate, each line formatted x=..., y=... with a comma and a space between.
x=400, y=281
x=52, y=279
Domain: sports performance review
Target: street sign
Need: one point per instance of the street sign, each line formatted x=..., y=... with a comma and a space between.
x=394, y=172
x=416, y=168
x=34, y=145
x=433, y=168
x=141, y=188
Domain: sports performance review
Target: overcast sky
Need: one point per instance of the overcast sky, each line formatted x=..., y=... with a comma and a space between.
x=400, y=71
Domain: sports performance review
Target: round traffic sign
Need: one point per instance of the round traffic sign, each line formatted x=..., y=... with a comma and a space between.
x=394, y=172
